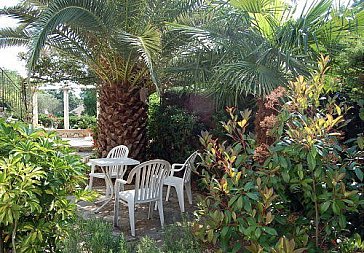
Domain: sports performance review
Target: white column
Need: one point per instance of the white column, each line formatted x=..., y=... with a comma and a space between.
x=35, y=107
x=66, y=113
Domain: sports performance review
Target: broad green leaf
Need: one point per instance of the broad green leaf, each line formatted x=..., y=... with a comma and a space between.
x=311, y=160
x=270, y=231
x=253, y=196
x=335, y=208
x=324, y=206
x=359, y=173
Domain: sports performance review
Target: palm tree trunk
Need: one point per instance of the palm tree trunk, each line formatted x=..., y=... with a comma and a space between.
x=122, y=119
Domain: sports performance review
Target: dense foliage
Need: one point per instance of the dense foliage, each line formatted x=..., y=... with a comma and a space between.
x=89, y=102
x=172, y=132
x=305, y=186
x=251, y=47
x=38, y=174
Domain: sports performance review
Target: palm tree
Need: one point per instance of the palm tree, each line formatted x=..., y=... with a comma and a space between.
x=119, y=40
x=242, y=47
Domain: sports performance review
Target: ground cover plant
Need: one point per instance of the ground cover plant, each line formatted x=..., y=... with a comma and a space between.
x=38, y=174
x=303, y=187
x=96, y=236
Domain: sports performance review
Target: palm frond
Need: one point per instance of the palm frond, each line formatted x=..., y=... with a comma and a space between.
x=22, y=14
x=88, y=14
x=13, y=37
x=148, y=44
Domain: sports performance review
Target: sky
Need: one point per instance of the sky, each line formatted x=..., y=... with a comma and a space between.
x=9, y=56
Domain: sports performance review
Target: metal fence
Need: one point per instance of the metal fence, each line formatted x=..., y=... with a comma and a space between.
x=13, y=97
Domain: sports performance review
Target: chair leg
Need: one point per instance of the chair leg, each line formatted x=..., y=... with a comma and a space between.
x=150, y=212
x=90, y=183
x=180, y=196
x=107, y=190
x=160, y=209
x=116, y=211
x=168, y=191
x=189, y=192
x=131, y=217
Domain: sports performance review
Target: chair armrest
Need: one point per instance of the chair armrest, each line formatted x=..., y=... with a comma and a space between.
x=121, y=181
x=119, y=184
x=177, y=165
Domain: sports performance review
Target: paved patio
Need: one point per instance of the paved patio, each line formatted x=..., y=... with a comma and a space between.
x=143, y=226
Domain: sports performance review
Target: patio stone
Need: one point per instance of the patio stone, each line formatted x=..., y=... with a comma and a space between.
x=143, y=226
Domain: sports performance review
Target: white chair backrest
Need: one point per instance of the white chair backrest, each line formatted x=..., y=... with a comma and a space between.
x=118, y=152
x=149, y=178
x=188, y=166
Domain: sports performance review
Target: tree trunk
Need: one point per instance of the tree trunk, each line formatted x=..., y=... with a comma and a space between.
x=122, y=120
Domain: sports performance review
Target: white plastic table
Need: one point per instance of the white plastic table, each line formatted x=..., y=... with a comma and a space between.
x=106, y=165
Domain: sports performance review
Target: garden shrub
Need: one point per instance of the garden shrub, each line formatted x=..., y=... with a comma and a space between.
x=76, y=122
x=38, y=174
x=179, y=238
x=92, y=236
x=350, y=245
x=310, y=158
x=304, y=186
x=237, y=208
x=147, y=245
x=172, y=133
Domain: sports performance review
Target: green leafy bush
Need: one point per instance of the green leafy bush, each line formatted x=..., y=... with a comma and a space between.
x=38, y=174
x=172, y=133
x=179, y=238
x=305, y=186
x=309, y=156
x=94, y=235
x=237, y=208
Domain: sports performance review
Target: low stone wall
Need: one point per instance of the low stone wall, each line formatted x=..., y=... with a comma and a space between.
x=73, y=133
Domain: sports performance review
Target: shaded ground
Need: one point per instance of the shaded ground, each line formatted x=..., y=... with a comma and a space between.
x=143, y=226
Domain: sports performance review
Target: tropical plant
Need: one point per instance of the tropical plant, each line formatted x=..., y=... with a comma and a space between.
x=118, y=41
x=38, y=174
x=251, y=47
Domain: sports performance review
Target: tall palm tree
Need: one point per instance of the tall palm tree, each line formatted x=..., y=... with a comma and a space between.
x=119, y=40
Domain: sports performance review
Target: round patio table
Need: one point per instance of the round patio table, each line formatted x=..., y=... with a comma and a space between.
x=107, y=165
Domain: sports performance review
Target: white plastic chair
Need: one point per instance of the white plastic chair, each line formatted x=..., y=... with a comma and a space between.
x=180, y=183
x=116, y=152
x=149, y=178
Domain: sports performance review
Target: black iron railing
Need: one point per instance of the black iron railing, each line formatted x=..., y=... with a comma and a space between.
x=13, y=100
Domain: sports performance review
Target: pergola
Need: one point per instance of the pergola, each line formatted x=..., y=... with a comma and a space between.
x=66, y=87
